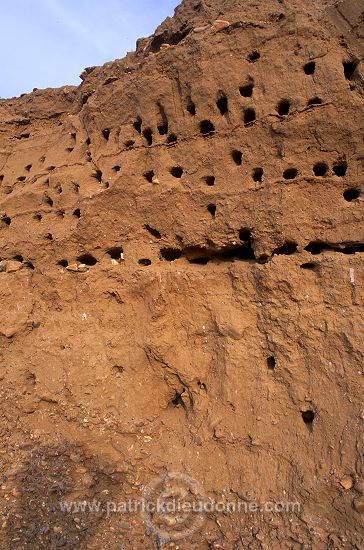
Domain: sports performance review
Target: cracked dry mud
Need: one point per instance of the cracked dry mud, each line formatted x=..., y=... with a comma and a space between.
x=181, y=282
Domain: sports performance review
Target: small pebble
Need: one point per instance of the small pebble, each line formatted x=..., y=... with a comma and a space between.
x=220, y=24
x=346, y=482
x=13, y=265
x=201, y=29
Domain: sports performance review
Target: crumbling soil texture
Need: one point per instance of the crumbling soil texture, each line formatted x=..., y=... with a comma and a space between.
x=181, y=284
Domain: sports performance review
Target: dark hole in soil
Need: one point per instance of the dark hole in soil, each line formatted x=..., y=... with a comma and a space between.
x=315, y=247
x=177, y=401
x=191, y=107
x=308, y=418
x=314, y=101
x=212, y=209
x=115, y=252
x=163, y=129
x=245, y=234
x=283, y=107
x=63, y=263
x=351, y=194
x=171, y=254
x=97, y=175
x=106, y=133
x=320, y=169
x=222, y=104
x=349, y=68
x=153, y=231
x=310, y=266
x=249, y=116
x=138, y=125
x=145, y=262
x=244, y=252
x=177, y=171
x=246, y=90
x=87, y=259
x=237, y=156
x=210, y=180
x=206, y=127
x=340, y=168
x=148, y=134
x=271, y=363
x=149, y=176
x=287, y=249
x=290, y=173
x=351, y=248
x=172, y=138
x=258, y=174
x=200, y=261
x=310, y=67
x=77, y=213
x=253, y=56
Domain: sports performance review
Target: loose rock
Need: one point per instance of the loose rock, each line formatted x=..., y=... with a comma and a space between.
x=220, y=24
x=13, y=266
x=346, y=482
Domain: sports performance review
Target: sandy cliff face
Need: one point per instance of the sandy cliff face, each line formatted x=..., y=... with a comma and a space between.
x=181, y=282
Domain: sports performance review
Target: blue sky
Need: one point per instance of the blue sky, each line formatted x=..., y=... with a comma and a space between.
x=47, y=43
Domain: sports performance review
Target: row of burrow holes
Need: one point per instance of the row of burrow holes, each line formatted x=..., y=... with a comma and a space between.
x=283, y=108
x=241, y=250
x=320, y=169
x=207, y=128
